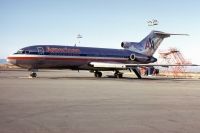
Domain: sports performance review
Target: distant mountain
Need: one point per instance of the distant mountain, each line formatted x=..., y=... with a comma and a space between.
x=3, y=61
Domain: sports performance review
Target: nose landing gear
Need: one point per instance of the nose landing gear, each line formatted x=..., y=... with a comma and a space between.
x=33, y=73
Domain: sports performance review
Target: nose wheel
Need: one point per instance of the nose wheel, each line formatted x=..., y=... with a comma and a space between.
x=33, y=74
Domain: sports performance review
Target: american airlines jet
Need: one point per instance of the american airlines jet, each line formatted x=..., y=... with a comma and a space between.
x=132, y=56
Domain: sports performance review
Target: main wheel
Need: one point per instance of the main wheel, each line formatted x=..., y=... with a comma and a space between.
x=118, y=75
x=98, y=74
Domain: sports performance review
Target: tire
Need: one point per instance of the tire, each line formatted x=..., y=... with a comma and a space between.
x=118, y=75
x=98, y=74
x=33, y=75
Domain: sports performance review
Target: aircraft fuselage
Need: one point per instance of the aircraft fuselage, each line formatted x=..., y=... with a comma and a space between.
x=73, y=57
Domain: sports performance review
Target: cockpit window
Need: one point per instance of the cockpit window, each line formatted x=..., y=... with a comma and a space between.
x=20, y=51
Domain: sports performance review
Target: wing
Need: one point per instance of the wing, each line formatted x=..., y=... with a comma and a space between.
x=107, y=65
x=125, y=66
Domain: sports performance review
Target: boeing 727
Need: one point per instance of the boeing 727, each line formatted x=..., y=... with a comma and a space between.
x=132, y=56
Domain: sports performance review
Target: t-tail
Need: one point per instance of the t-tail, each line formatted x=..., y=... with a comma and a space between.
x=149, y=44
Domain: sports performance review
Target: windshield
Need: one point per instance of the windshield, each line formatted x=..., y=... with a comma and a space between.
x=20, y=51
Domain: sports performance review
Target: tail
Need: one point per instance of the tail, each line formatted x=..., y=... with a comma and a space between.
x=149, y=44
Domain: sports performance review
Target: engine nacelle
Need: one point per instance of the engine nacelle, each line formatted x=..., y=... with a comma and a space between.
x=132, y=57
x=141, y=58
x=127, y=45
x=137, y=55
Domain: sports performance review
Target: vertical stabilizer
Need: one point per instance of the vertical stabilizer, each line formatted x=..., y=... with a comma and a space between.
x=149, y=44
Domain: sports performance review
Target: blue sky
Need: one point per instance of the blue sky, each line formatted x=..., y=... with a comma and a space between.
x=102, y=23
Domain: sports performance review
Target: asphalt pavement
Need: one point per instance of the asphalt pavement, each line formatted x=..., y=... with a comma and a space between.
x=76, y=102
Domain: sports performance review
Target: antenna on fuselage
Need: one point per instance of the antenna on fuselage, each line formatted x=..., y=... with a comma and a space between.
x=79, y=36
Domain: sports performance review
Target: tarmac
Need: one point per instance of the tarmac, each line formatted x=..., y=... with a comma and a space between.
x=76, y=102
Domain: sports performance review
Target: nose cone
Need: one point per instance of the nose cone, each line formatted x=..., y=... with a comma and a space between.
x=11, y=60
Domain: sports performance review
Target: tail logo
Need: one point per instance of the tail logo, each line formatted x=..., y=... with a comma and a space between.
x=150, y=44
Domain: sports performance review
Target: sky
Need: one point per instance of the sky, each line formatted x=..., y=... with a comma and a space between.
x=102, y=23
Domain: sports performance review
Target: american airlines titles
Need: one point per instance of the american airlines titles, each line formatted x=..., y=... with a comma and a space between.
x=63, y=50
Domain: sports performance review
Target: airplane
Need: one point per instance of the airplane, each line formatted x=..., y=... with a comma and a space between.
x=131, y=57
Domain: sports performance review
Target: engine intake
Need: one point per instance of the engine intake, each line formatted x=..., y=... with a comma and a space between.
x=141, y=58
x=132, y=57
x=125, y=44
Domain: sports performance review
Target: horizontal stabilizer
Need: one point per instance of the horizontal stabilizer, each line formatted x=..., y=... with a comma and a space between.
x=168, y=34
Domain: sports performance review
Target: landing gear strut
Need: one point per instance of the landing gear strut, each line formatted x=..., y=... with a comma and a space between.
x=136, y=71
x=118, y=74
x=98, y=74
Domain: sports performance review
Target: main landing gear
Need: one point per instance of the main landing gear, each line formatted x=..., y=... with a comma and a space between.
x=118, y=74
x=98, y=74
